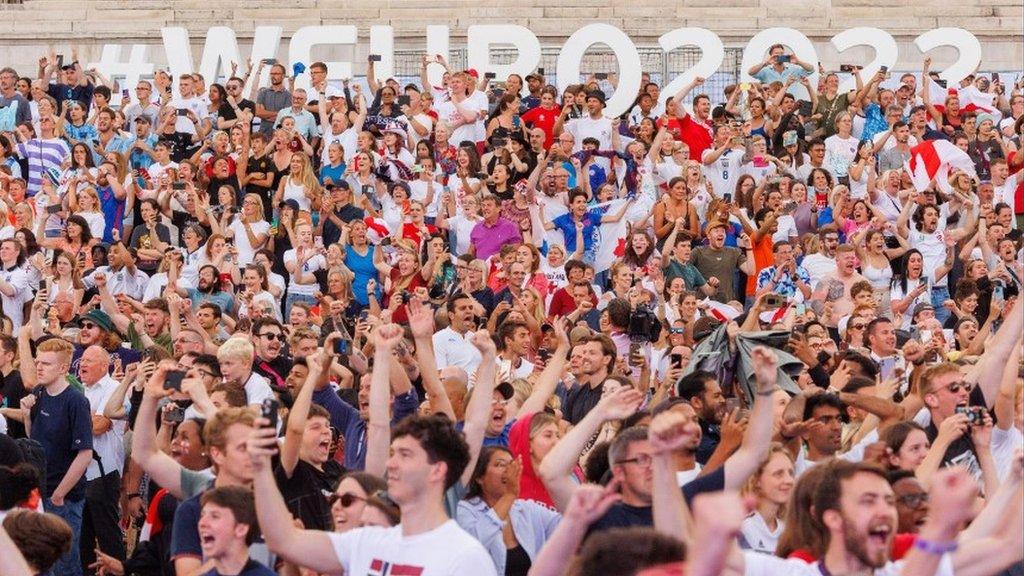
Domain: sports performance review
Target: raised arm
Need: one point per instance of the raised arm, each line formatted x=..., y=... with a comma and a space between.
x=546, y=383
x=421, y=322
x=161, y=468
x=310, y=548
x=758, y=437
x=478, y=413
x=556, y=468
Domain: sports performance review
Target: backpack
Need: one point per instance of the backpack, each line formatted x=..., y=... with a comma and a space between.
x=33, y=453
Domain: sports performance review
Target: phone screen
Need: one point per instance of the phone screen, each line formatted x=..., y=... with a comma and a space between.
x=173, y=378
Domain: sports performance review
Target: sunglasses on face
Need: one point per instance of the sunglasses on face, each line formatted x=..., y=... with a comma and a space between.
x=955, y=387
x=88, y=326
x=273, y=336
x=677, y=330
x=913, y=500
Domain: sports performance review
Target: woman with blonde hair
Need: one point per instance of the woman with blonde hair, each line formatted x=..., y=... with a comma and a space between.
x=772, y=485
x=301, y=185
x=400, y=280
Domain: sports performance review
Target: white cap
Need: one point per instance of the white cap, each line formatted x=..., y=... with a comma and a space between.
x=333, y=92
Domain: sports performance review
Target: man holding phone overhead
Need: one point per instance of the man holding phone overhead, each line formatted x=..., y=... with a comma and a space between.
x=779, y=66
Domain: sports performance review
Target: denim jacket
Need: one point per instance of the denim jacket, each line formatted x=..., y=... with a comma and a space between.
x=532, y=523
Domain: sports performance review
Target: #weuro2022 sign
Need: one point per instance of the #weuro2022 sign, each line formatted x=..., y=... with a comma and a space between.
x=221, y=49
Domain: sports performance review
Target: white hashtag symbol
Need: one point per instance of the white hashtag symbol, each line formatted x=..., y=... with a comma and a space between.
x=111, y=66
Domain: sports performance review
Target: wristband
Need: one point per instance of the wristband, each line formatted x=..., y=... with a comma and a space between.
x=937, y=548
x=766, y=393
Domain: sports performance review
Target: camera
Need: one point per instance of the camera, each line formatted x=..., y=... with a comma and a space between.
x=774, y=300
x=268, y=410
x=175, y=415
x=644, y=325
x=975, y=414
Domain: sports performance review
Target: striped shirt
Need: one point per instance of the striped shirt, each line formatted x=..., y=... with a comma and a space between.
x=41, y=155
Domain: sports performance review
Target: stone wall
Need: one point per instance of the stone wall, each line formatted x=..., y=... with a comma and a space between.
x=27, y=29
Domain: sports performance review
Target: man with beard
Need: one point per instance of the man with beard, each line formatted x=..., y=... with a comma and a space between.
x=822, y=415
x=834, y=289
x=268, y=339
x=98, y=329
x=702, y=390
x=306, y=471
x=208, y=290
x=598, y=359
x=155, y=319
x=716, y=260
x=109, y=140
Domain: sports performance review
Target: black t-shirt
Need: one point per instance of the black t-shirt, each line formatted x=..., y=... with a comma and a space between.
x=251, y=568
x=307, y=491
x=580, y=400
x=961, y=452
x=275, y=371
x=623, y=515
x=261, y=165
x=12, y=390
x=63, y=425
x=226, y=112
x=347, y=213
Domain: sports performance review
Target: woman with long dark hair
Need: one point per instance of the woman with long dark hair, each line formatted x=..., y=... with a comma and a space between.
x=511, y=529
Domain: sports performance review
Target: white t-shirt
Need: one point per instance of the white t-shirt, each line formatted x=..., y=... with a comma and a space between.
x=760, y=173
x=184, y=123
x=890, y=142
x=454, y=349
x=109, y=445
x=724, y=172
x=447, y=112
x=348, y=144
x=257, y=389
x=13, y=308
x=933, y=250
x=758, y=536
x=444, y=551
x=839, y=154
x=317, y=262
x=1007, y=193
x=246, y=251
x=587, y=127
x=757, y=564
x=423, y=120
x=462, y=227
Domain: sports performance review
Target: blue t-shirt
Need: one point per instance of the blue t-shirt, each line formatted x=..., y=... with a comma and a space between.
x=223, y=300
x=345, y=417
x=591, y=222
x=63, y=425
x=83, y=133
x=113, y=213
x=364, y=270
x=185, y=542
x=335, y=174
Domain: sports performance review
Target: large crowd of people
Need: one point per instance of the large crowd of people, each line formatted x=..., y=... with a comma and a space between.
x=483, y=328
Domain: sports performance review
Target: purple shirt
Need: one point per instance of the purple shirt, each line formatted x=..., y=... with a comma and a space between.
x=488, y=240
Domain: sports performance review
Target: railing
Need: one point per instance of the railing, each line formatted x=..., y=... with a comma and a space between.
x=661, y=66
